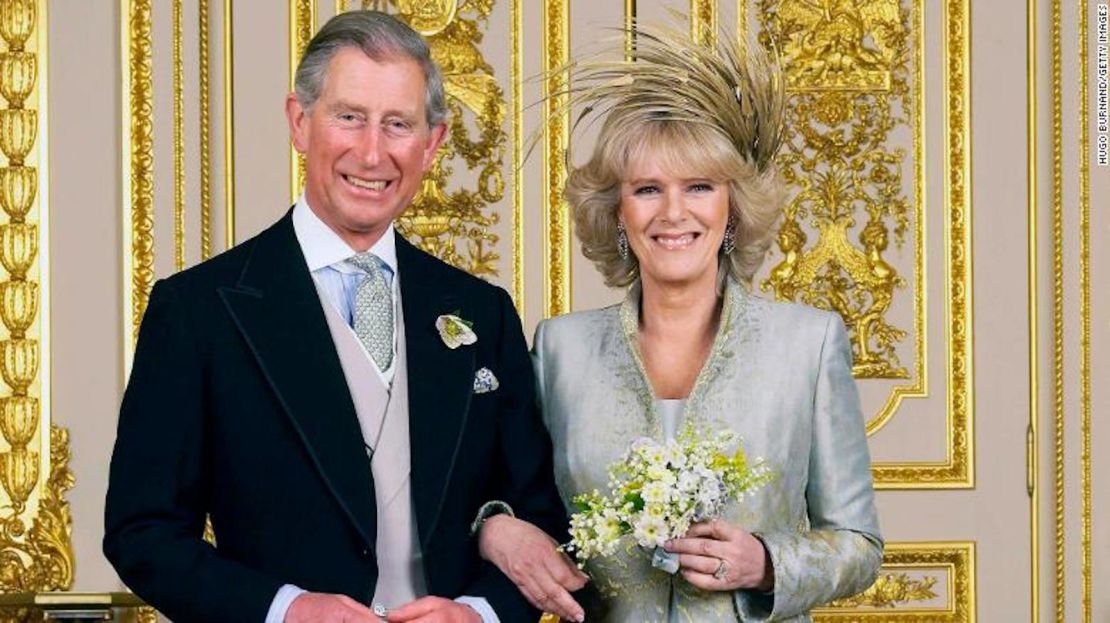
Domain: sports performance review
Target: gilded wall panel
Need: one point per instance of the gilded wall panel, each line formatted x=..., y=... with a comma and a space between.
x=36, y=552
x=854, y=238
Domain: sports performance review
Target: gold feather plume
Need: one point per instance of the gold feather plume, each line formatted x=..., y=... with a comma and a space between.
x=737, y=90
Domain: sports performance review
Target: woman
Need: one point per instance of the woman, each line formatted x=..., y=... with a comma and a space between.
x=678, y=203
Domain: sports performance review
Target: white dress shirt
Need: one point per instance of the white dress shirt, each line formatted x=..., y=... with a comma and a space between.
x=326, y=255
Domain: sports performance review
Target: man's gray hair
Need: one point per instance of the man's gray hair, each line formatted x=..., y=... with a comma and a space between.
x=379, y=36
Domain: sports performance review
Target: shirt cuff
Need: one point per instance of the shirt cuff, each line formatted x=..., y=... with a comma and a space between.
x=479, y=604
x=282, y=600
x=489, y=509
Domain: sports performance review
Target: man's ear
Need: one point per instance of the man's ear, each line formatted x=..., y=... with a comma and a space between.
x=297, y=117
x=436, y=138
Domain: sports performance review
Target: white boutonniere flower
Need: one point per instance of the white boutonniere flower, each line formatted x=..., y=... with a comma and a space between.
x=455, y=331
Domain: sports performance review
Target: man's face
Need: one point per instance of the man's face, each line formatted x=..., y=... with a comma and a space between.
x=366, y=142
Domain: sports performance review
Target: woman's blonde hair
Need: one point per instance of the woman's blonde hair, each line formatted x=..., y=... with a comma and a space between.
x=713, y=111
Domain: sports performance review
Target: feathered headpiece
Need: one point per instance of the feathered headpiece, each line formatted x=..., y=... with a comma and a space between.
x=736, y=90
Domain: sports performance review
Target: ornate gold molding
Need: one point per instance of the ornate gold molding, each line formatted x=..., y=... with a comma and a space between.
x=703, y=20
x=36, y=552
x=957, y=471
x=891, y=590
x=516, y=76
x=899, y=597
x=1085, y=306
x=556, y=256
x=1058, y=311
x=229, y=125
x=629, y=35
x=302, y=25
x=138, y=157
x=205, y=130
x=742, y=22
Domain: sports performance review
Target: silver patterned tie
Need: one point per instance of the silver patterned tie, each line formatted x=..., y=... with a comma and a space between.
x=373, y=309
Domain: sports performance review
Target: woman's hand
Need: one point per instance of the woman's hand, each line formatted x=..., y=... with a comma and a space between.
x=532, y=560
x=718, y=556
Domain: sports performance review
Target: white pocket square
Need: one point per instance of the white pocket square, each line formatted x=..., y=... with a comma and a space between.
x=485, y=381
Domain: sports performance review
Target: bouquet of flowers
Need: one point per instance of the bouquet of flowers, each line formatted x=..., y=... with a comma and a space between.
x=658, y=489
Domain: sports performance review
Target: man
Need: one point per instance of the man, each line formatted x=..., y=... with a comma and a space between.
x=345, y=408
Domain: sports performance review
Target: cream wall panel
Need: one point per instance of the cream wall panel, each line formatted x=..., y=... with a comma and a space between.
x=591, y=23
x=1099, y=324
x=533, y=190
x=261, y=133
x=85, y=253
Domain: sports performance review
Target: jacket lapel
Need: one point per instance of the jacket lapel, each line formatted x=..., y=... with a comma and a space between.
x=440, y=383
x=277, y=309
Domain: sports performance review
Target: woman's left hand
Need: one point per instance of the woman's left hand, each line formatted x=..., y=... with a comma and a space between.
x=718, y=556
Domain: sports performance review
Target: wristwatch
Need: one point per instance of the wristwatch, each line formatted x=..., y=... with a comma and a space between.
x=490, y=509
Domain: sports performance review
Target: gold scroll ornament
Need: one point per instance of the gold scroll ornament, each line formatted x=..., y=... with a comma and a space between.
x=905, y=591
x=847, y=73
x=455, y=224
x=37, y=556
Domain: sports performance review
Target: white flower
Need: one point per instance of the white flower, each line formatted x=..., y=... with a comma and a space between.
x=650, y=531
x=608, y=527
x=455, y=331
x=709, y=495
x=655, y=455
x=658, y=511
x=676, y=458
x=688, y=482
x=659, y=472
x=654, y=493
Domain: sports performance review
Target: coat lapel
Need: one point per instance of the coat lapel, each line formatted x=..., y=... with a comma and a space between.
x=277, y=309
x=440, y=382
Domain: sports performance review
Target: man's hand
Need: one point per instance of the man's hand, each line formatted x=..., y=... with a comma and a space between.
x=530, y=558
x=433, y=610
x=327, y=608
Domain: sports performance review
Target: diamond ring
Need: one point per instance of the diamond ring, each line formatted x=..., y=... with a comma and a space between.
x=722, y=570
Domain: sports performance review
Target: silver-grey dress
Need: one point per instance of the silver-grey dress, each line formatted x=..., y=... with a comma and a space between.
x=778, y=374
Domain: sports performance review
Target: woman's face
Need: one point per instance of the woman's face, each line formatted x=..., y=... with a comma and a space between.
x=674, y=223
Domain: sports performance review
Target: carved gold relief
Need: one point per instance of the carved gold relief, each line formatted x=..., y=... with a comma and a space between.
x=40, y=557
x=907, y=589
x=302, y=25
x=35, y=549
x=891, y=590
x=556, y=138
x=703, y=20
x=205, y=146
x=848, y=74
x=138, y=209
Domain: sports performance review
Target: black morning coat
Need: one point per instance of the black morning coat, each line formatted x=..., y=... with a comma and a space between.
x=237, y=408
